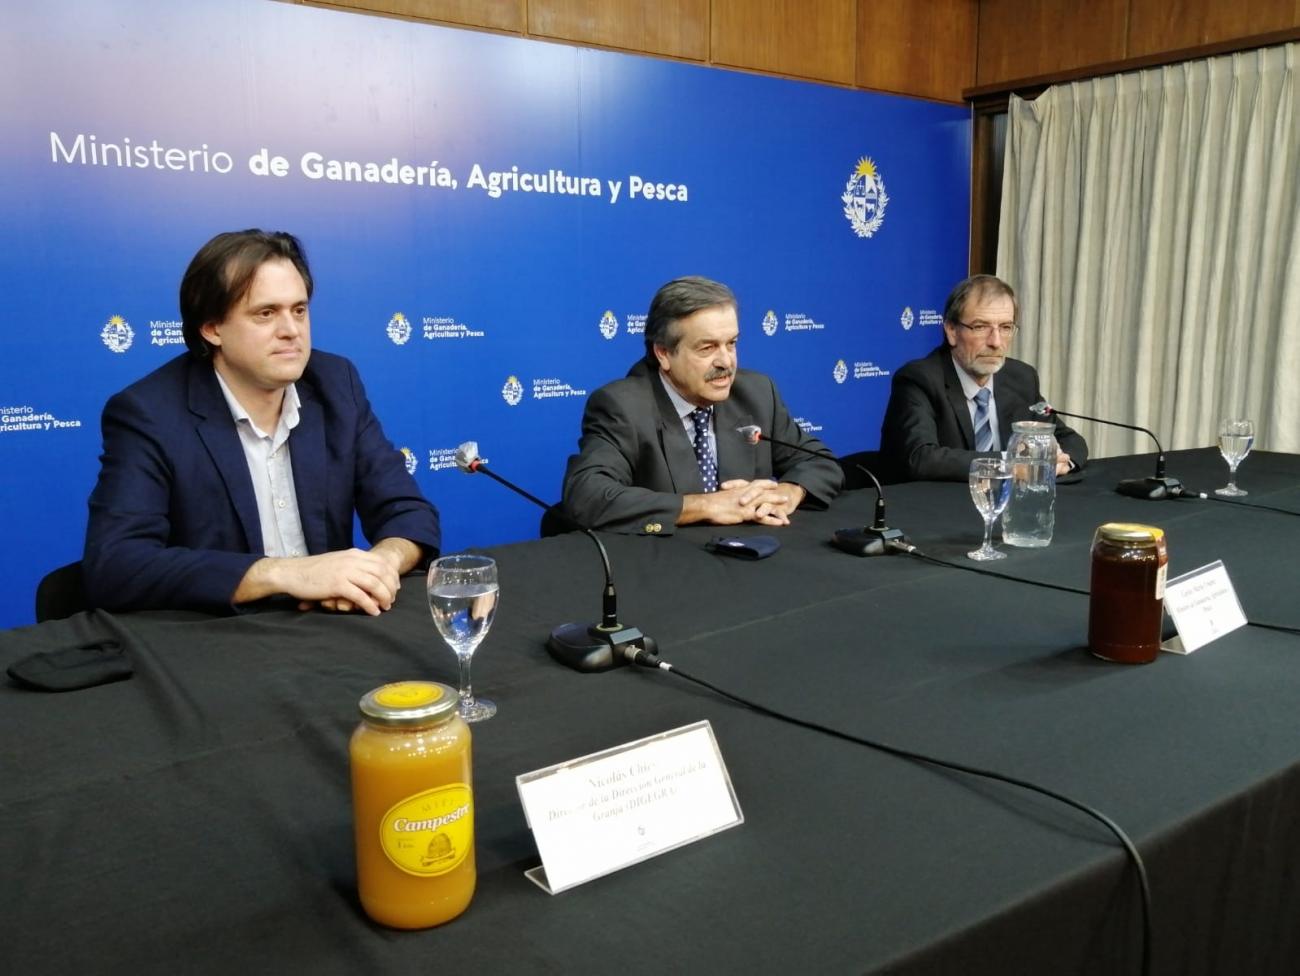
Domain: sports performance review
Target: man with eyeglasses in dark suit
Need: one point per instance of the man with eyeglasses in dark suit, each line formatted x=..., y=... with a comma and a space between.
x=959, y=402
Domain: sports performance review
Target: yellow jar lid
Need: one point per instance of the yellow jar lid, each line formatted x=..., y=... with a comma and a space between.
x=409, y=703
x=1130, y=533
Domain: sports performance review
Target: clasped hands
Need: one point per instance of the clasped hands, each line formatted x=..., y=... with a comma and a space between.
x=342, y=581
x=763, y=501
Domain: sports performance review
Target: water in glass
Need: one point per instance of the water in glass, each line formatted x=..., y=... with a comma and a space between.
x=463, y=595
x=1236, y=438
x=1235, y=447
x=990, y=489
x=1031, y=514
x=991, y=494
x=463, y=613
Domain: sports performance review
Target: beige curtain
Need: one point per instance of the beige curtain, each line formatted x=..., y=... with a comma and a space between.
x=1151, y=228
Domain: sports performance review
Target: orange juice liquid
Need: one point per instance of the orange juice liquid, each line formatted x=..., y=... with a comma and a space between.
x=413, y=813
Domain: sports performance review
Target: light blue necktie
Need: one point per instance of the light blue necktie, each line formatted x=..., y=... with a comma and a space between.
x=983, y=427
x=701, y=416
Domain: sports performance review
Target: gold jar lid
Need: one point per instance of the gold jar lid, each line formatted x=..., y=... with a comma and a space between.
x=409, y=704
x=1130, y=534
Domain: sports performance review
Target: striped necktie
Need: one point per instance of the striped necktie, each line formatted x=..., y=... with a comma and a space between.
x=701, y=416
x=983, y=427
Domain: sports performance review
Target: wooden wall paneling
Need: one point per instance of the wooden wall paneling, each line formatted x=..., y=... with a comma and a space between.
x=803, y=38
x=925, y=49
x=1169, y=25
x=676, y=28
x=988, y=151
x=503, y=15
x=1026, y=38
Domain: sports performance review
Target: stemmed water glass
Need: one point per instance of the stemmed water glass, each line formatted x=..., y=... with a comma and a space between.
x=1236, y=437
x=990, y=489
x=463, y=596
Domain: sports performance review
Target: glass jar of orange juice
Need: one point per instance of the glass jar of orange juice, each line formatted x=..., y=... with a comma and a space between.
x=413, y=805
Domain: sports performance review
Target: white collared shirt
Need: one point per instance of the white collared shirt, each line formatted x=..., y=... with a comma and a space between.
x=970, y=388
x=685, y=409
x=268, y=464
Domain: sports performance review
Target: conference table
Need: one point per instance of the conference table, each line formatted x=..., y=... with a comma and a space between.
x=196, y=817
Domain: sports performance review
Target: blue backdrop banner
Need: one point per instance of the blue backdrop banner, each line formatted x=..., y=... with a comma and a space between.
x=487, y=219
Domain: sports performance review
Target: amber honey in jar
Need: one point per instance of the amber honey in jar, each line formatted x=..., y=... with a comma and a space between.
x=413, y=805
x=1128, y=592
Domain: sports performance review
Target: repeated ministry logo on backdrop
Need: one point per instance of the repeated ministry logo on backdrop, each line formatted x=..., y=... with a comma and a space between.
x=513, y=391
x=864, y=198
x=410, y=460
x=117, y=334
x=906, y=318
x=633, y=323
x=609, y=324
x=769, y=323
x=841, y=371
x=399, y=329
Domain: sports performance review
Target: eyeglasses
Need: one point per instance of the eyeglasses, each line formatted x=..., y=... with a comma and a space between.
x=1006, y=330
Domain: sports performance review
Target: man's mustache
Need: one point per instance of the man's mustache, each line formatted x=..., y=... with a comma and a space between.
x=717, y=374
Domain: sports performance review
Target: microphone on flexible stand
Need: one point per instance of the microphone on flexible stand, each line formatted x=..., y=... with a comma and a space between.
x=876, y=539
x=597, y=647
x=1156, y=487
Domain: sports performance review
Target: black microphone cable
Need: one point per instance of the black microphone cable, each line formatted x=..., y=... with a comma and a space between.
x=1198, y=496
x=911, y=550
x=1280, y=628
x=648, y=660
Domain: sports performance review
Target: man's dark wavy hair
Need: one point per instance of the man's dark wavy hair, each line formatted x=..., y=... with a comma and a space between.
x=221, y=274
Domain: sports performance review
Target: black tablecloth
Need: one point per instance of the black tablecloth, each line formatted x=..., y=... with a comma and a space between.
x=196, y=817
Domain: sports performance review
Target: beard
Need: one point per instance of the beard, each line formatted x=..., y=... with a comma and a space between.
x=982, y=368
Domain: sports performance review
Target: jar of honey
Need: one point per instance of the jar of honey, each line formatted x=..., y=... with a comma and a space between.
x=1127, y=593
x=413, y=805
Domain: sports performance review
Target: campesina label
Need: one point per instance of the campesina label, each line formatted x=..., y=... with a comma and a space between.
x=430, y=833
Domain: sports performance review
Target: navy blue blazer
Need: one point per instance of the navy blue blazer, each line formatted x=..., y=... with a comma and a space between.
x=173, y=518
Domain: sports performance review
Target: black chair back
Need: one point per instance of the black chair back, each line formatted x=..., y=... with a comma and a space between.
x=61, y=593
x=878, y=464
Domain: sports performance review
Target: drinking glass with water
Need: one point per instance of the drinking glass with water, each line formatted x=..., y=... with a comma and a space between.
x=1236, y=438
x=990, y=488
x=463, y=595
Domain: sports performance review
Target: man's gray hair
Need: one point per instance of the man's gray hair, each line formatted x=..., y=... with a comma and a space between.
x=675, y=301
x=978, y=287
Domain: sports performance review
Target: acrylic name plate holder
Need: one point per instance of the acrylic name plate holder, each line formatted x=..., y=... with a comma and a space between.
x=600, y=813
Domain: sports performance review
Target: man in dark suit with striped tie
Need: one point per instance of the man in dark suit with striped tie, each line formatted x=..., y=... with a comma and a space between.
x=662, y=447
x=959, y=402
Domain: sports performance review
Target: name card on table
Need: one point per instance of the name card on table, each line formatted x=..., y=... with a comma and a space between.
x=1204, y=606
x=597, y=814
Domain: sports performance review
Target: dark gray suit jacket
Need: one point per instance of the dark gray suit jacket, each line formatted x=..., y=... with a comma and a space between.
x=635, y=461
x=927, y=433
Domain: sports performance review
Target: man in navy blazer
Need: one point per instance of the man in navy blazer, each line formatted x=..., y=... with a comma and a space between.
x=232, y=472
x=929, y=431
x=660, y=448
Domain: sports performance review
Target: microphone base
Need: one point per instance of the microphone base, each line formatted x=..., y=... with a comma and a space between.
x=1151, y=488
x=588, y=648
x=868, y=541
